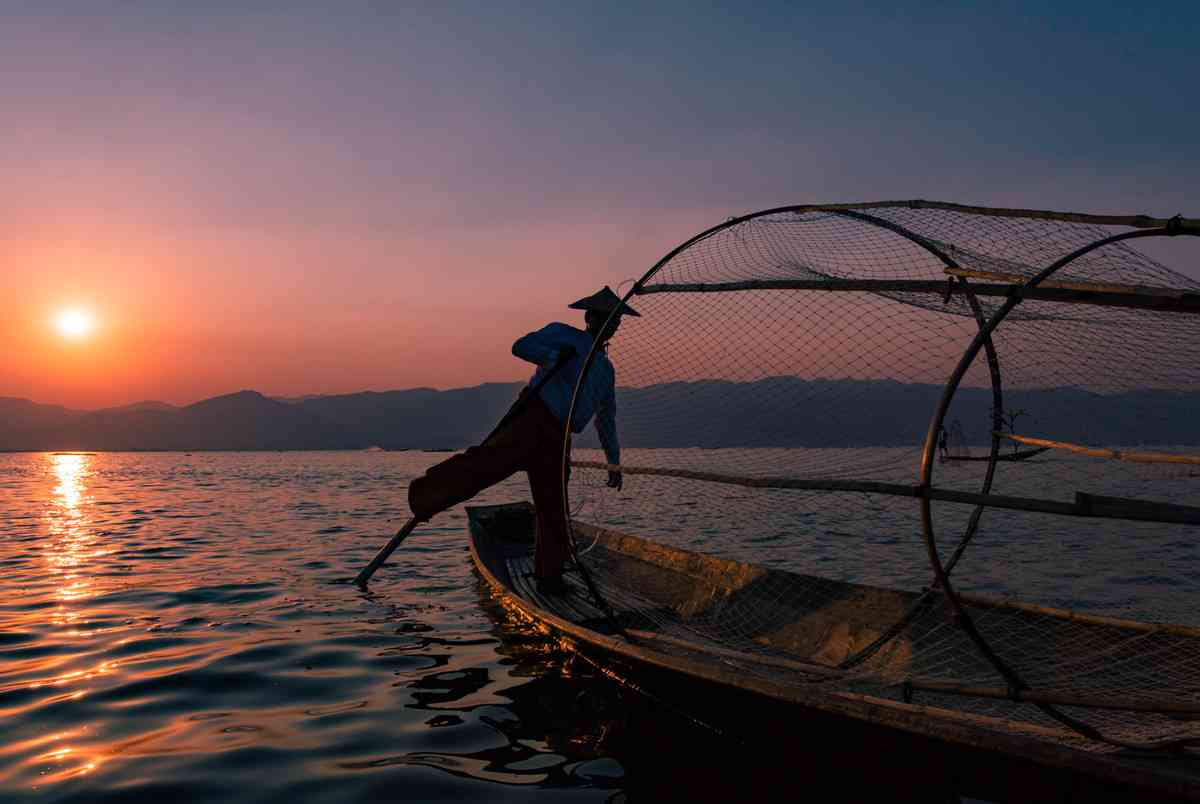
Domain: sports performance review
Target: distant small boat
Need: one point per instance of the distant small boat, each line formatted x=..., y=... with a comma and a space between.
x=954, y=448
x=1020, y=455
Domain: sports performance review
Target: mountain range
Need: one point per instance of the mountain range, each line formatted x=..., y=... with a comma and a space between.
x=773, y=412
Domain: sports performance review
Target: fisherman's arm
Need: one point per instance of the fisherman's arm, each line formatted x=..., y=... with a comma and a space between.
x=544, y=347
x=606, y=429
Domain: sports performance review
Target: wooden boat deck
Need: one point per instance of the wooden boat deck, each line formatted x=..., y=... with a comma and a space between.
x=792, y=640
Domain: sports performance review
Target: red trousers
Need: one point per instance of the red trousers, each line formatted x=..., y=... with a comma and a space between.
x=531, y=440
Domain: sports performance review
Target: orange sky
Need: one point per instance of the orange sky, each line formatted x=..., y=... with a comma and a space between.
x=316, y=199
x=186, y=314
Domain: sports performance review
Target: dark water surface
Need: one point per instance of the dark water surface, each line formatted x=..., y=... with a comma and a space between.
x=180, y=627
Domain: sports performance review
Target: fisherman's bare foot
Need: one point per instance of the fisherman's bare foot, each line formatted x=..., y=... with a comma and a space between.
x=553, y=585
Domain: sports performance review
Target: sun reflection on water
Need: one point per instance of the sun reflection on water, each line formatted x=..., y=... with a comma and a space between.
x=73, y=542
x=71, y=468
x=73, y=547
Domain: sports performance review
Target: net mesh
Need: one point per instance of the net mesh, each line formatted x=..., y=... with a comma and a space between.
x=774, y=400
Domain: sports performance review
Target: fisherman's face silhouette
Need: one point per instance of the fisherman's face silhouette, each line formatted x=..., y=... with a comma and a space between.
x=595, y=325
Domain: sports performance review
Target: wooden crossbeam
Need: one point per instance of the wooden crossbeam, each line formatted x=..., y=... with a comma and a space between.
x=1068, y=284
x=1167, y=300
x=1085, y=505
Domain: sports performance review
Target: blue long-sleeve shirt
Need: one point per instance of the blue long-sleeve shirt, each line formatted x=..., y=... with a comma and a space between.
x=598, y=394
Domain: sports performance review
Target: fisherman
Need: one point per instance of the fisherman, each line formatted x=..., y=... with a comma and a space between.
x=533, y=436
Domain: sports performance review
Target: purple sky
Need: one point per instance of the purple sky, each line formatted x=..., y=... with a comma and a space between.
x=307, y=200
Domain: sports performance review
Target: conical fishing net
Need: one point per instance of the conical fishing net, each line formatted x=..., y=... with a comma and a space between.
x=962, y=479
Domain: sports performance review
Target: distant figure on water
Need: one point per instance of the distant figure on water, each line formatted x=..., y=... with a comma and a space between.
x=531, y=435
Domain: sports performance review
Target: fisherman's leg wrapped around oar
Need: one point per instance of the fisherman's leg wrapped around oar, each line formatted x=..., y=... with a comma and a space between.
x=530, y=440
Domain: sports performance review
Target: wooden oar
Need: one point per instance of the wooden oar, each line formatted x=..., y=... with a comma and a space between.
x=383, y=554
x=402, y=534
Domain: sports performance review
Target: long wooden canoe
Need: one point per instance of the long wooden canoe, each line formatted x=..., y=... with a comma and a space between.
x=747, y=691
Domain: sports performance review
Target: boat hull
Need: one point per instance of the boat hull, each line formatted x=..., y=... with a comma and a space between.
x=921, y=742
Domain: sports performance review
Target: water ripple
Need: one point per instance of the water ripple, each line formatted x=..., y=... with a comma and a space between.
x=180, y=627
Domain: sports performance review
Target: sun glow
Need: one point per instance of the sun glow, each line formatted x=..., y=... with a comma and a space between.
x=74, y=323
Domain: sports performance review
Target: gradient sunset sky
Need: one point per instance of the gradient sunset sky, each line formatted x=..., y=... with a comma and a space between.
x=298, y=199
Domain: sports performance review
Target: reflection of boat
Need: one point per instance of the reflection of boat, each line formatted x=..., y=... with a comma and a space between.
x=799, y=635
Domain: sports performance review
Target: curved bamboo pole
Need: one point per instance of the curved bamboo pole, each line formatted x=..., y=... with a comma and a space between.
x=993, y=360
x=1010, y=676
x=1150, y=227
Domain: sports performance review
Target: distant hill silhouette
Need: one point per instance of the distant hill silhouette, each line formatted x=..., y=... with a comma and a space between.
x=26, y=425
x=244, y=420
x=793, y=412
x=709, y=413
x=419, y=418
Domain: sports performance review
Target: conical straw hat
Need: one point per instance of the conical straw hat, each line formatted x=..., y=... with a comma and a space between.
x=605, y=301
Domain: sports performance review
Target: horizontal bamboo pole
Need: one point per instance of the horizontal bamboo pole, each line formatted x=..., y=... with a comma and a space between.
x=932, y=685
x=1135, y=510
x=970, y=718
x=1002, y=501
x=937, y=286
x=804, y=484
x=1180, y=301
x=1068, y=284
x=1135, y=221
x=1078, y=617
x=1125, y=508
x=743, y=656
x=1136, y=456
x=1057, y=699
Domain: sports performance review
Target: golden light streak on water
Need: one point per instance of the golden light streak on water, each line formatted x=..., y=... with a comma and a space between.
x=72, y=549
x=70, y=469
x=74, y=545
x=61, y=760
x=75, y=675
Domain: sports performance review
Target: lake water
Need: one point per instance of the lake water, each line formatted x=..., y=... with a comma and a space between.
x=180, y=626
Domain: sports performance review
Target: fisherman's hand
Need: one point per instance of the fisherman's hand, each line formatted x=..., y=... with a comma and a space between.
x=614, y=480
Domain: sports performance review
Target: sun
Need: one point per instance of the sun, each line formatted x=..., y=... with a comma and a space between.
x=74, y=322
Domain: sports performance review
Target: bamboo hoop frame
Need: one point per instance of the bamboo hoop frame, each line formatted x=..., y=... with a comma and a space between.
x=1011, y=677
x=1144, y=226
